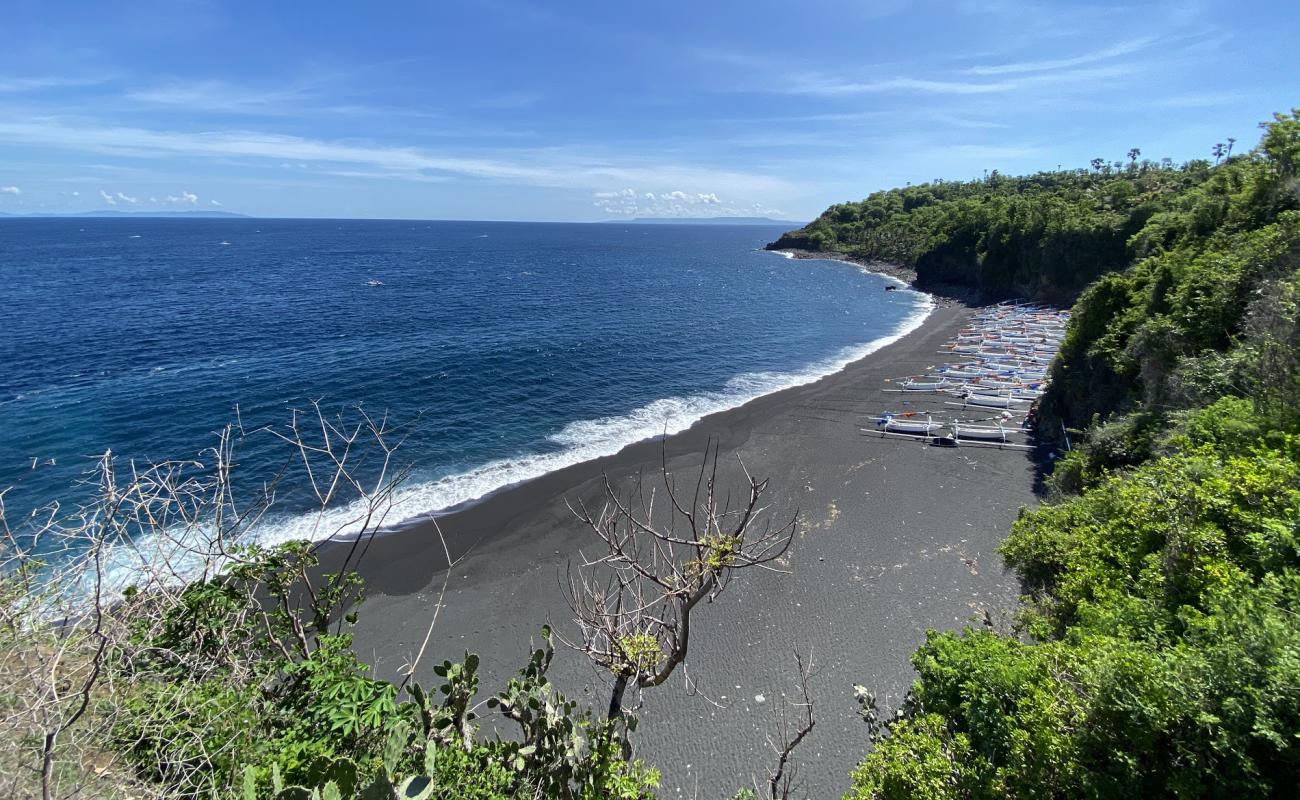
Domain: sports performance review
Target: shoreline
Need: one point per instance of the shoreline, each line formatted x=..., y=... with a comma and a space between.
x=531, y=466
x=424, y=523
x=943, y=293
x=895, y=537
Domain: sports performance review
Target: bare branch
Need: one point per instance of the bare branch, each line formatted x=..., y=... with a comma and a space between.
x=633, y=603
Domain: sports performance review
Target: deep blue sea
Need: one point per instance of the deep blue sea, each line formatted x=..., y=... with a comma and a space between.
x=510, y=349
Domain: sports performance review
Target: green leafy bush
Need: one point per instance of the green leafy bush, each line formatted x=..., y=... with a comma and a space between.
x=1159, y=647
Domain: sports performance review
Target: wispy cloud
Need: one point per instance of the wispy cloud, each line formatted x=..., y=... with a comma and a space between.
x=831, y=86
x=16, y=85
x=510, y=100
x=554, y=167
x=219, y=97
x=1115, y=51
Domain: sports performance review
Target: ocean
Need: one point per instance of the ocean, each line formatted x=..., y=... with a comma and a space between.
x=504, y=350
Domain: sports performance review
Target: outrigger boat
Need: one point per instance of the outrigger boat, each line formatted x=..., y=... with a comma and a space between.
x=913, y=385
x=894, y=423
x=983, y=433
x=993, y=400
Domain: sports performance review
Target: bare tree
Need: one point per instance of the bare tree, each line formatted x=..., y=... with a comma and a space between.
x=794, y=722
x=83, y=585
x=664, y=549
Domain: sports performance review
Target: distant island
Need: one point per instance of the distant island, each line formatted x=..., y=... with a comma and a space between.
x=705, y=221
x=137, y=214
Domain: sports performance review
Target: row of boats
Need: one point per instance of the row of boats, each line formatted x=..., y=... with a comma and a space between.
x=999, y=362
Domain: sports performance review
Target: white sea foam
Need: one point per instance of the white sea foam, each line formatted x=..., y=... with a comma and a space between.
x=579, y=441
x=585, y=440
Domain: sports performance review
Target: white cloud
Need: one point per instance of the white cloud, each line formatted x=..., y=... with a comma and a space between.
x=832, y=86
x=632, y=203
x=76, y=194
x=1114, y=51
x=215, y=202
x=127, y=198
x=10, y=190
x=19, y=85
x=553, y=167
x=210, y=96
x=108, y=198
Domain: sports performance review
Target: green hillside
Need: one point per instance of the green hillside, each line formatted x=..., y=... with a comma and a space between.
x=1157, y=653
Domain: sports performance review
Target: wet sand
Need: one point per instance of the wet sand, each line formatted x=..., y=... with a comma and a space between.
x=894, y=537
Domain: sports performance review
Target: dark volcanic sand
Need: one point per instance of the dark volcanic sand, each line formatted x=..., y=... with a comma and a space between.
x=895, y=537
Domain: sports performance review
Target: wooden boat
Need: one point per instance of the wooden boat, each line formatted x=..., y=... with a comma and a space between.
x=963, y=373
x=997, y=383
x=984, y=433
x=905, y=424
x=913, y=385
x=994, y=400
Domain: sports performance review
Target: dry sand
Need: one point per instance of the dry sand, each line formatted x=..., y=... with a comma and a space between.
x=895, y=537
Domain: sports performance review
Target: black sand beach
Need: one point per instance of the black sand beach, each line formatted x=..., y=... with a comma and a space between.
x=895, y=537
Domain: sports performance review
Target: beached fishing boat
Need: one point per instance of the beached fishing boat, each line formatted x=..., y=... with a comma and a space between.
x=913, y=385
x=906, y=423
x=994, y=400
x=999, y=383
x=983, y=433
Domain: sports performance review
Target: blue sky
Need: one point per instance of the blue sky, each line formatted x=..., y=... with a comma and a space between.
x=509, y=109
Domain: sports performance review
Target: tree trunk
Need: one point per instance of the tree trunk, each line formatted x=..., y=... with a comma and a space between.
x=615, y=715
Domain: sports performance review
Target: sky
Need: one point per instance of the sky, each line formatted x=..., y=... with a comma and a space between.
x=574, y=110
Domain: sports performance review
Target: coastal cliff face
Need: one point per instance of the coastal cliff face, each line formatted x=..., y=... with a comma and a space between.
x=1044, y=237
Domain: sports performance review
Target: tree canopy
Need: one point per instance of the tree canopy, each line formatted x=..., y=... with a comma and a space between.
x=1157, y=652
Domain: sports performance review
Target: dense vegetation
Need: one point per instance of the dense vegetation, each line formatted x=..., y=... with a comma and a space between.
x=1046, y=235
x=1158, y=650
x=247, y=687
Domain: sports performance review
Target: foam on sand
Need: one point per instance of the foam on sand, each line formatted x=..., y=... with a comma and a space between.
x=577, y=442
x=586, y=440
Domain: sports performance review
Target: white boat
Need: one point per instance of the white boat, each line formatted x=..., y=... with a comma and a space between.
x=897, y=424
x=911, y=385
x=995, y=400
x=984, y=433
